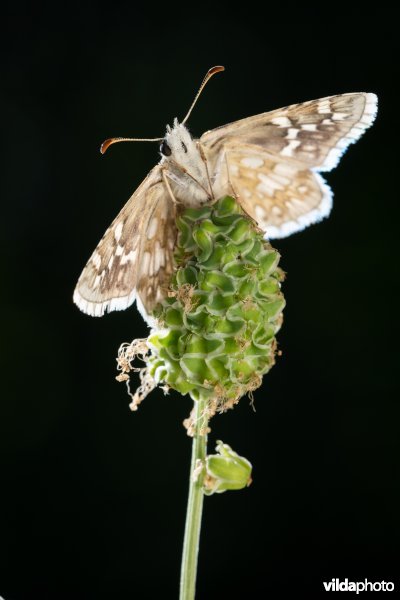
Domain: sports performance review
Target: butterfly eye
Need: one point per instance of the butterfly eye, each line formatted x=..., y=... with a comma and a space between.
x=165, y=149
x=184, y=148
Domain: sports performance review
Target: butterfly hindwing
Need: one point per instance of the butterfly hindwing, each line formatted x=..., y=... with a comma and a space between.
x=281, y=196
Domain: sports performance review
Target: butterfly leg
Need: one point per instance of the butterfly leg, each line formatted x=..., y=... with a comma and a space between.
x=235, y=193
x=204, y=159
x=167, y=185
x=222, y=178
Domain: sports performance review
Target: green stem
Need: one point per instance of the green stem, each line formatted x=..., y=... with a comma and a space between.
x=194, y=507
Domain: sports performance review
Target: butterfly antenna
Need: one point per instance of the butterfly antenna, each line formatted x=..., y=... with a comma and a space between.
x=206, y=79
x=107, y=143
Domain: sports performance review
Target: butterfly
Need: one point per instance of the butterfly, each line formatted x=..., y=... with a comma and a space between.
x=270, y=163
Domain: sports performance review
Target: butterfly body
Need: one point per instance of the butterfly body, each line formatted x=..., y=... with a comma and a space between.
x=269, y=162
x=185, y=167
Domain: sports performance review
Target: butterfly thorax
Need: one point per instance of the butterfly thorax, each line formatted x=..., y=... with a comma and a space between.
x=185, y=167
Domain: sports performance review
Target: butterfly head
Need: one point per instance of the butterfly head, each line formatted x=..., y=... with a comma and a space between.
x=178, y=145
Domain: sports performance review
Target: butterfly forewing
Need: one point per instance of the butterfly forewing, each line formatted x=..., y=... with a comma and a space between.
x=314, y=133
x=156, y=263
x=116, y=268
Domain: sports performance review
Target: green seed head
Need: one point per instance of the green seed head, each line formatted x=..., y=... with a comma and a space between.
x=216, y=329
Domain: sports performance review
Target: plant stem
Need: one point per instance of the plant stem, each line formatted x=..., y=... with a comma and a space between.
x=194, y=507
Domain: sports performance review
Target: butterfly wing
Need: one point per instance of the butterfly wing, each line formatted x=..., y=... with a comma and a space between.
x=135, y=256
x=270, y=160
x=281, y=196
x=316, y=133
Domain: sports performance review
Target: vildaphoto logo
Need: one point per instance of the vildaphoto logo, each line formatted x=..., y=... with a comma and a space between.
x=344, y=585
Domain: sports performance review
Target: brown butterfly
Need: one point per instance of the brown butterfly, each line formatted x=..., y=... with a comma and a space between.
x=269, y=162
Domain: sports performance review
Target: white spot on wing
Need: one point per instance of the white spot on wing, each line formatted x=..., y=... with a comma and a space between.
x=283, y=181
x=260, y=212
x=276, y=210
x=292, y=145
x=309, y=126
x=160, y=253
x=152, y=228
x=118, y=231
x=281, y=121
x=285, y=170
x=338, y=116
x=130, y=257
x=156, y=261
x=292, y=133
x=96, y=260
x=144, y=267
x=233, y=169
x=324, y=107
x=253, y=162
x=268, y=185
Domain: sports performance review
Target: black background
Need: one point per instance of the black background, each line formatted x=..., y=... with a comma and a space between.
x=93, y=496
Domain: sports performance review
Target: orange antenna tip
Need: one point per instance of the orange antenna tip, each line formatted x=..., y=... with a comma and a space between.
x=217, y=69
x=105, y=145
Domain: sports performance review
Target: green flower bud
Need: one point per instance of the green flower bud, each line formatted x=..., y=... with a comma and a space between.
x=226, y=471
